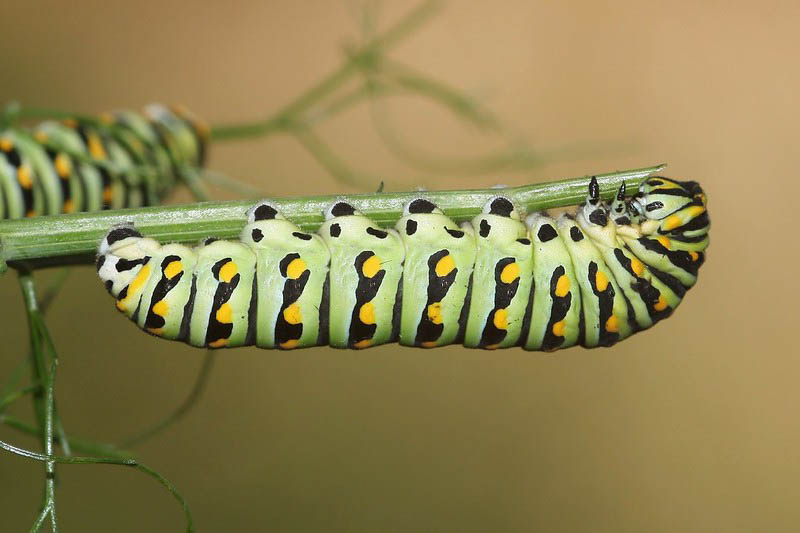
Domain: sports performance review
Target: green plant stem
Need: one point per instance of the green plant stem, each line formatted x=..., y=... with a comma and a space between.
x=11, y=397
x=44, y=374
x=326, y=157
x=284, y=119
x=79, y=445
x=183, y=409
x=73, y=238
x=50, y=458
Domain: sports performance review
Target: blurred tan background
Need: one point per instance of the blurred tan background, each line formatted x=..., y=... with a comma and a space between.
x=691, y=426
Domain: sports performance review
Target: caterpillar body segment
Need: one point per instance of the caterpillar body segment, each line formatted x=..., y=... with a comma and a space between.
x=592, y=278
x=504, y=260
x=556, y=298
x=368, y=259
x=436, y=275
x=290, y=281
x=120, y=160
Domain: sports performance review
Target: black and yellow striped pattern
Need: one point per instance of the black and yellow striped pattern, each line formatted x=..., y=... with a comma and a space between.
x=121, y=159
x=591, y=278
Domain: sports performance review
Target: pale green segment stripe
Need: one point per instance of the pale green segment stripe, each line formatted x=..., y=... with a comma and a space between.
x=430, y=238
x=547, y=257
x=352, y=240
x=73, y=238
x=500, y=243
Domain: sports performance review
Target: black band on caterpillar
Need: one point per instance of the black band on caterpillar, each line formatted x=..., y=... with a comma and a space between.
x=124, y=159
x=591, y=278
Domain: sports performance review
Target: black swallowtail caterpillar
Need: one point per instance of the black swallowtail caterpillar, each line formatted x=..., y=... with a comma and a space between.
x=592, y=278
x=122, y=159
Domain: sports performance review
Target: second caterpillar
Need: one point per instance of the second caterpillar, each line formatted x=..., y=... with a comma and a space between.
x=592, y=278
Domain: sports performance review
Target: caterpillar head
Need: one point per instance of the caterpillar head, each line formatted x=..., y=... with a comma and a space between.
x=121, y=255
x=666, y=205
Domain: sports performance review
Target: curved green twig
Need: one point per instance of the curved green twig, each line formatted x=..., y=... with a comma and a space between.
x=49, y=458
x=197, y=390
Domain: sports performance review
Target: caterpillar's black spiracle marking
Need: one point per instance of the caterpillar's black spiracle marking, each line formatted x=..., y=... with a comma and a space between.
x=591, y=278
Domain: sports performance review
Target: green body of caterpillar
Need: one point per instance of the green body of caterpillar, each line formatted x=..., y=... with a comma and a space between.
x=592, y=278
x=124, y=159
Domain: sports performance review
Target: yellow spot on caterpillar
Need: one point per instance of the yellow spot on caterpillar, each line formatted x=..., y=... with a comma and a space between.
x=96, y=149
x=429, y=344
x=108, y=195
x=695, y=211
x=672, y=222
x=292, y=314
x=161, y=308
x=637, y=266
x=69, y=206
x=435, y=312
x=40, y=136
x=667, y=184
x=24, y=177
x=219, y=343
x=694, y=255
x=492, y=346
x=559, y=328
x=601, y=280
x=661, y=304
x=510, y=273
x=30, y=213
x=70, y=123
x=296, y=268
x=173, y=269
x=612, y=324
x=6, y=145
x=366, y=343
x=664, y=241
x=367, y=313
x=562, y=286
x=63, y=166
x=445, y=265
x=289, y=345
x=501, y=319
x=371, y=266
x=225, y=314
x=134, y=287
x=228, y=271
x=156, y=331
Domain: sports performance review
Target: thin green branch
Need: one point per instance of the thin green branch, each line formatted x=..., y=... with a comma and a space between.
x=50, y=458
x=231, y=185
x=285, y=118
x=73, y=238
x=326, y=157
x=78, y=445
x=12, y=397
x=183, y=409
x=403, y=76
x=505, y=159
x=191, y=177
